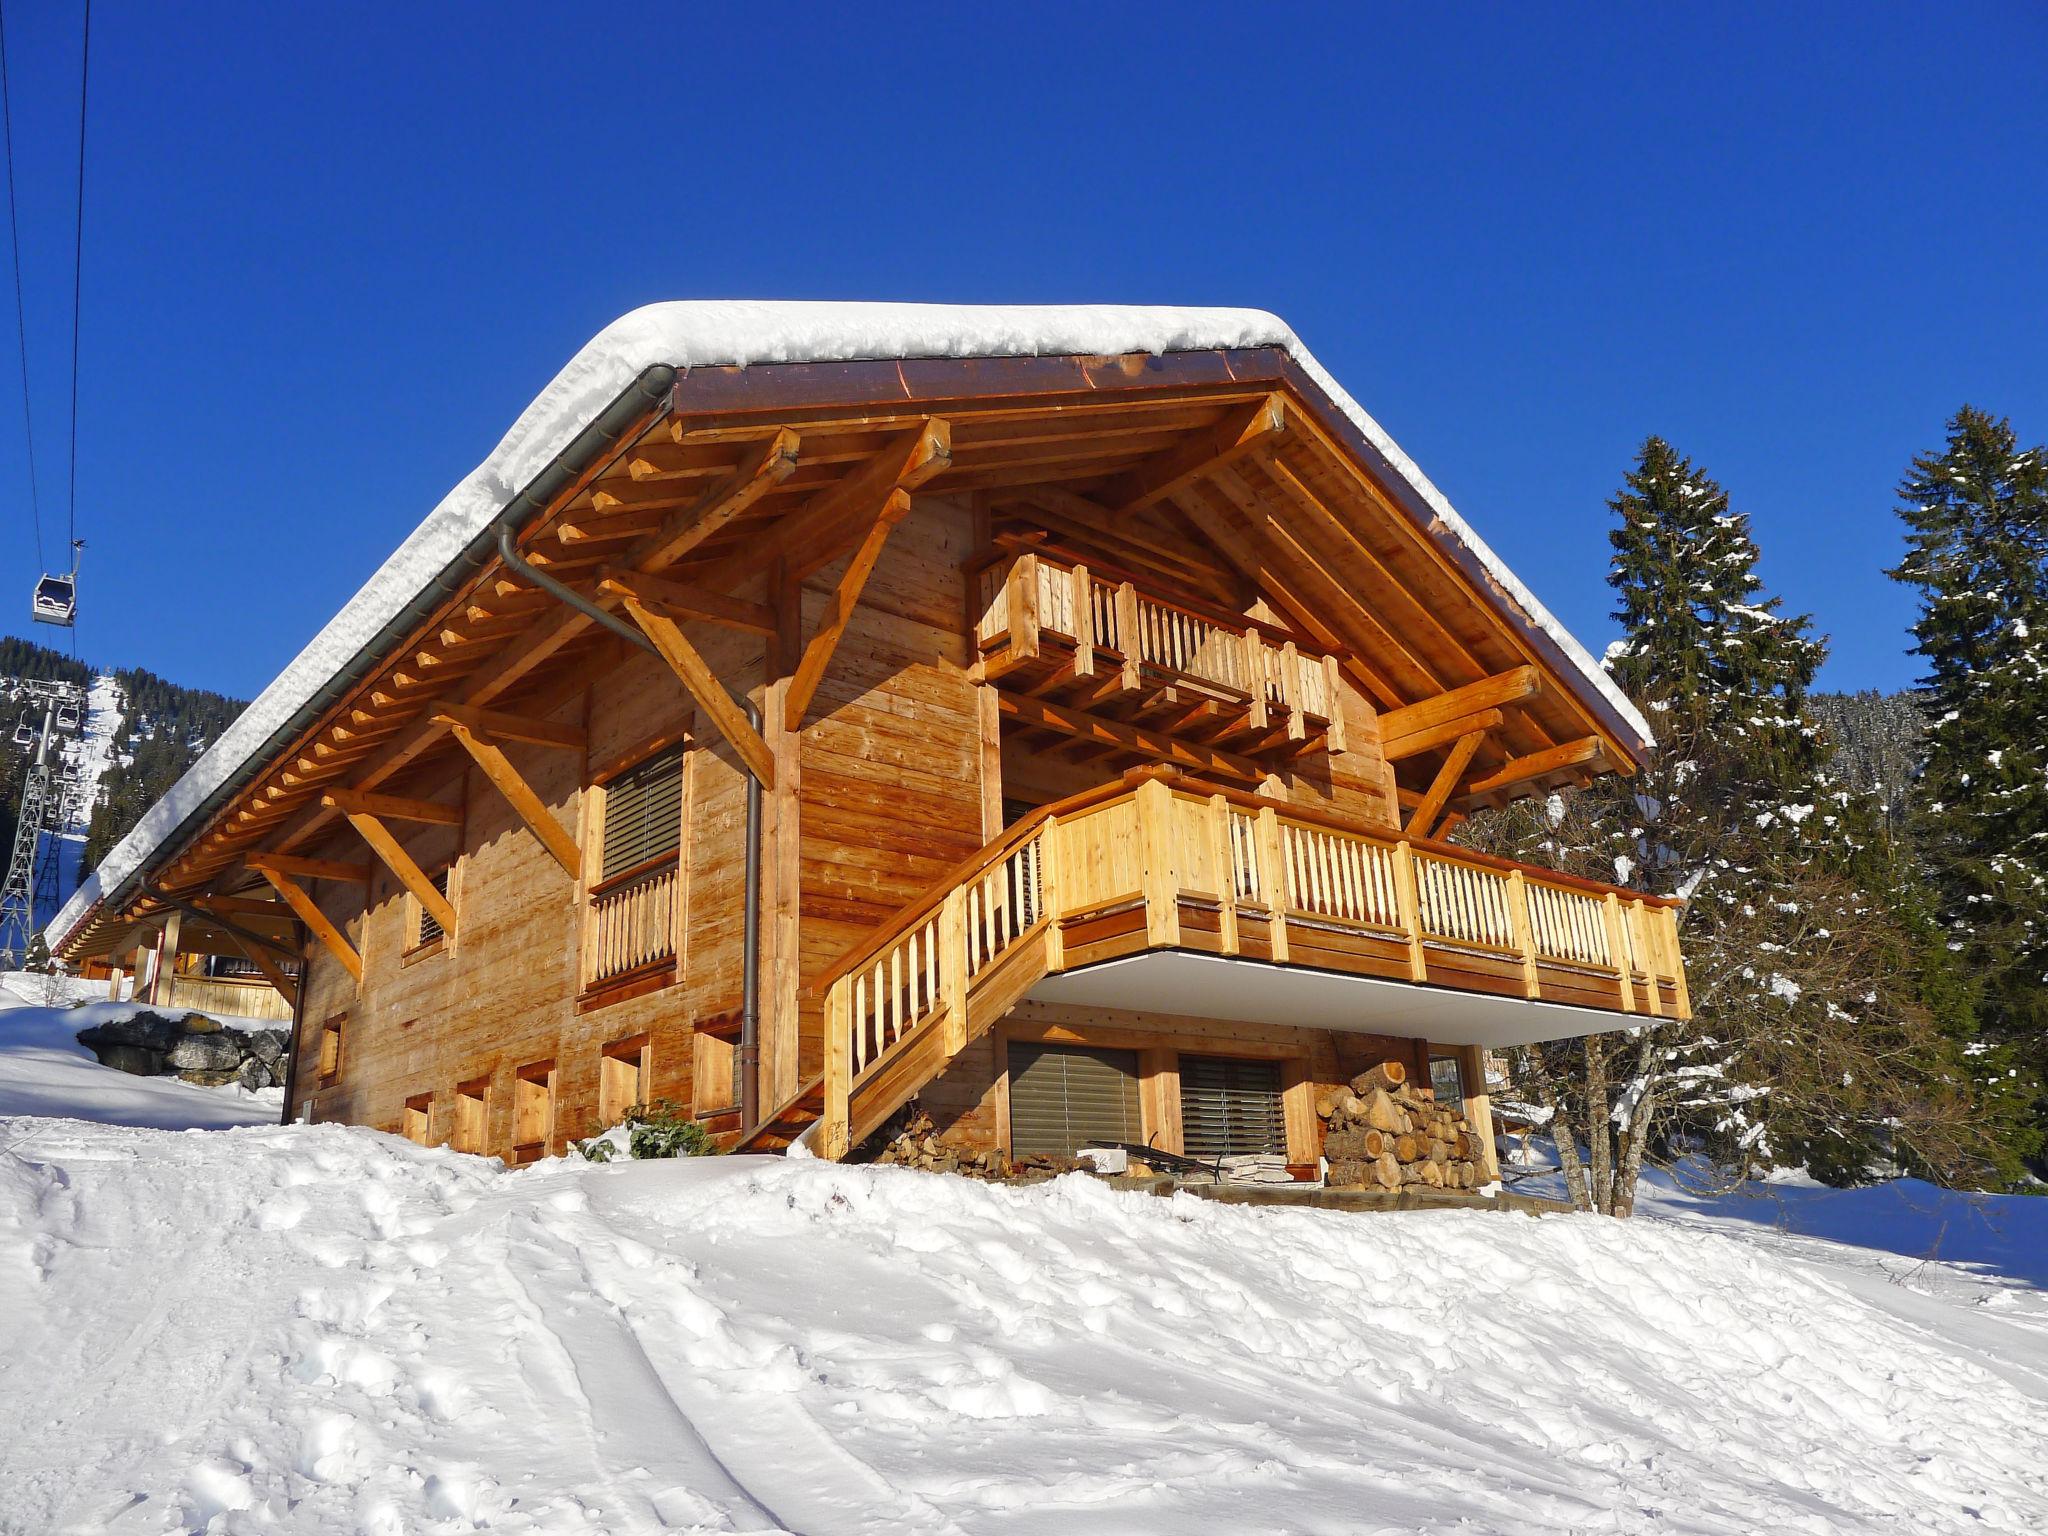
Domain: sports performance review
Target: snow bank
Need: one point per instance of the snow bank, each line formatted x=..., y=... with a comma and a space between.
x=45, y=1071
x=324, y=1329
x=705, y=334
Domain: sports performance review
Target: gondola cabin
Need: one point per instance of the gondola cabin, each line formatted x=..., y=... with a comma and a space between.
x=1089, y=697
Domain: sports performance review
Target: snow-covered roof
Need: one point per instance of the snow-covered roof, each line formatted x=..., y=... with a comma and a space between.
x=723, y=333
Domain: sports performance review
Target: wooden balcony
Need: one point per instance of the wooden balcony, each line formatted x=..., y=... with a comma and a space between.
x=1285, y=901
x=225, y=997
x=1160, y=670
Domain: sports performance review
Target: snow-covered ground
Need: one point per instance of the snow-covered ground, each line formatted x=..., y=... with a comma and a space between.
x=45, y=1071
x=326, y=1329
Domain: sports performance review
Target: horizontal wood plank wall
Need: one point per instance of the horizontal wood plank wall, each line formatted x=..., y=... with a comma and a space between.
x=891, y=749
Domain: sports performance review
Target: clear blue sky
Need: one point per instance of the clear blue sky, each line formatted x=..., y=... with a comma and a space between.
x=332, y=251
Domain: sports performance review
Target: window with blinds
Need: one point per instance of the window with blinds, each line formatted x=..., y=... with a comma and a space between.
x=643, y=813
x=1063, y=1098
x=1229, y=1108
x=425, y=929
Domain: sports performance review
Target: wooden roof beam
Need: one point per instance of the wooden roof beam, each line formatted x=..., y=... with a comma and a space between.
x=810, y=669
x=1432, y=737
x=1509, y=687
x=1157, y=745
x=507, y=780
x=1520, y=770
x=695, y=673
x=302, y=868
x=366, y=802
x=499, y=725
x=1438, y=795
x=1241, y=433
x=686, y=600
x=297, y=898
x=400, y=863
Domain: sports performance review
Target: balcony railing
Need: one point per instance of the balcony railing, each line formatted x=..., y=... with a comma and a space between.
x=1156, y=864
x=632, y=925
x=1114, y=625
x=220, y=996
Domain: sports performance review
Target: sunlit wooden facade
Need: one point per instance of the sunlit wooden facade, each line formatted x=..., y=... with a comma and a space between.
x=1039, y=668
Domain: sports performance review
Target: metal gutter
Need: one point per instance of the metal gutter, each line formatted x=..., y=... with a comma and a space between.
x=648, y=392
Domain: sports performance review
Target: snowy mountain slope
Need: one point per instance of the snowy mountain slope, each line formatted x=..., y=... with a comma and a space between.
x=317, y=1328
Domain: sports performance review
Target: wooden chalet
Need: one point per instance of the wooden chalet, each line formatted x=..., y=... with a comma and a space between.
x=1063, y=732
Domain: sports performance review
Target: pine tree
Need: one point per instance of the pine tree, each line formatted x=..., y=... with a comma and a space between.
x=1808, y=1039
x=1977, y=550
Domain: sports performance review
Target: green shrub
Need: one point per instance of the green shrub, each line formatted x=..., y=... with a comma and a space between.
x=658, y=1129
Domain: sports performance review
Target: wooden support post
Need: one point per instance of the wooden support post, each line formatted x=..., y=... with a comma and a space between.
x=490, y=757
x=1525, y=934
x=953, y=968
x=1051, y=848
x=1083, y=600
x=696, y=675
x=1667, y=919
x=988, y=719
x=301, y=902
x=114, y=988
x=1333, y=689
x=273, y=973
x=1617, y=953
x=166, y=958
x=1022, y=604
x=1128, y=639
x=1408, y=899
x=1479, y=1109
x=838, y=1074
x=810, y=670
x=1273, y=880
x=1220, y=855
x=781, y=843
x=1160, y=877
x=401, y=864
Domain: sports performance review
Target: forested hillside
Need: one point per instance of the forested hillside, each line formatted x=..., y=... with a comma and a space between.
x=154, y=730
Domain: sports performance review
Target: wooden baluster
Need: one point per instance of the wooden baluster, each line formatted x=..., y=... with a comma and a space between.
x=1083, y=599
x=833, y=1120
x=1290, y=685
x=858, y=1021
x=1255, y=680
x=1052, y=857
x=1408, y=897
x=1221, y=851
x=1128, y=640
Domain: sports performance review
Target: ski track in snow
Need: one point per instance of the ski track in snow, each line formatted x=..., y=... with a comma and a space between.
x=326, y=1329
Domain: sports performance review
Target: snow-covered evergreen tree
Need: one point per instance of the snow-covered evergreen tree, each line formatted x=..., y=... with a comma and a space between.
x=1977, y=550
x=1809, y=1040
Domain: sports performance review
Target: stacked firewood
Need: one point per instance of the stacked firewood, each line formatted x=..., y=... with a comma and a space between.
x=911, y=1141
x=1386, y=1133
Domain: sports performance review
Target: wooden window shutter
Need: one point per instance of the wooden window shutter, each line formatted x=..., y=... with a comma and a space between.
x=643, y=813
x=1230, y=1108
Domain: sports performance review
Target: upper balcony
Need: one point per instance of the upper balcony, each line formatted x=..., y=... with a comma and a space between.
x=1167, y=680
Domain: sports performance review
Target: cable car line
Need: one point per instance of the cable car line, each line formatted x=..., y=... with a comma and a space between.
x=20, y=313
x=78, y=289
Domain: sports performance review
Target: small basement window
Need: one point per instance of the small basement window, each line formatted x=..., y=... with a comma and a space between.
x=533, y=1111
x=1230, y=1108
x=418, y=1125
x=330, y=1048
x=472, y=1104
x=622, y=1078
x=1447, y=1077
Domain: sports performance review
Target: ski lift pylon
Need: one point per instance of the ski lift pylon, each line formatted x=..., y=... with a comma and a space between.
x=55, y=600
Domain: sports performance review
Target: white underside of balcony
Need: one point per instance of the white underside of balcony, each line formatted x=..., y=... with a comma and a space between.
x=1260, y=992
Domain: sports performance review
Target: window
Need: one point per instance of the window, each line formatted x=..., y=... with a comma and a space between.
x=472, y=1102
x=1230, y=1108
x=621, y=1078
x=630, y=937
x=643, y=814
x=1063, y=1098
x=533, y=1111
x=1447, y=1077
x=418, y=1125
x=425, y=930
x=330, y=1048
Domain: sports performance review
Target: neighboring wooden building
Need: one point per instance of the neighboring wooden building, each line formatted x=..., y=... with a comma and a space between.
x=1096, y=718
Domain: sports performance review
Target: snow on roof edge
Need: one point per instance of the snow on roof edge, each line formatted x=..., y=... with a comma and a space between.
x=725, y=333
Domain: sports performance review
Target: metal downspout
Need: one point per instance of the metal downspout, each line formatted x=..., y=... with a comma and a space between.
x=750, y=974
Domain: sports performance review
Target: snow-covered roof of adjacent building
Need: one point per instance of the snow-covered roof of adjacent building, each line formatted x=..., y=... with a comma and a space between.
x=703, y=334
